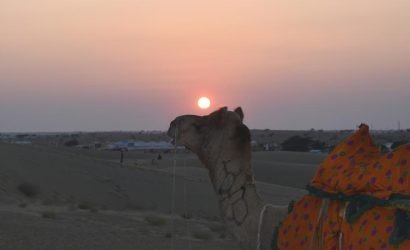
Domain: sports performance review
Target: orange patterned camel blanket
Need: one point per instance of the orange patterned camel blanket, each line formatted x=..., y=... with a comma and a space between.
x=359, y=199
x=357, y=167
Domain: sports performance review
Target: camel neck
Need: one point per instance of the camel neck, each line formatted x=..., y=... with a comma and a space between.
x=231, y=176
x=240, y=205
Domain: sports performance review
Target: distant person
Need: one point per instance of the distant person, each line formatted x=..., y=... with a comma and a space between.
x=159, y=157
x=122, y=156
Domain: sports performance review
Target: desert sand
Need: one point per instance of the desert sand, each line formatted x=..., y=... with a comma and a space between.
x=86, y=199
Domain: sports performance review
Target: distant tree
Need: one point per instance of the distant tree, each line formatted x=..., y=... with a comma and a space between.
x=22, y=136
x=318, y=145
x=71, y=143
x=297, y=143
x=302, y=144
x=398, y=143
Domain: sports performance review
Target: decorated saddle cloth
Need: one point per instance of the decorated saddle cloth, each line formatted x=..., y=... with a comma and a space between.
x=359, y=199
x=356, y=167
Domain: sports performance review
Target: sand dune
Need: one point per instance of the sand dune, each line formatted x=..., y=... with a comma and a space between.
x=122, y=196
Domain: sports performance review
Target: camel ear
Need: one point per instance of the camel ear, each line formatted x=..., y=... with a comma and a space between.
x=239, y=111
x=219, y=116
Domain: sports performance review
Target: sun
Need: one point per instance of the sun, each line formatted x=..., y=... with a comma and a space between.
x=204, y=102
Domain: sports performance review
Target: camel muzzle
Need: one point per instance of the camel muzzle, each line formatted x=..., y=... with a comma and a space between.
x=171, y=131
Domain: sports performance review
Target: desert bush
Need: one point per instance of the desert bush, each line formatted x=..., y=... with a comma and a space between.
x=71, y=143
x=28, y=189
x=186, y=216
x=23, y=205
x=49, y=214
x=155, y=220
x=200, y=235
x=85, y=206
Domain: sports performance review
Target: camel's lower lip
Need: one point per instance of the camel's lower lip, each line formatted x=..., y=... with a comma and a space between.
x=169, y=133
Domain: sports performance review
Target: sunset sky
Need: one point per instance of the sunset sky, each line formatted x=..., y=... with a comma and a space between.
x=92, y=65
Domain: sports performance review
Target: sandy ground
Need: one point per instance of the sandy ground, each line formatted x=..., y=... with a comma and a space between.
x=126, y=206
x=27, y=228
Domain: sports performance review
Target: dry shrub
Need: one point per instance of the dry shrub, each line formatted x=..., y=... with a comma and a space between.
x=49, y=215
x=28, y=189
x=200, y=235
x=23, y=205
x=155, y=220
x=186, y=216
x=86, y=206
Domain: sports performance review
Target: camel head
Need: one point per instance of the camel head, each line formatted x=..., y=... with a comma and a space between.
x=210, y=136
